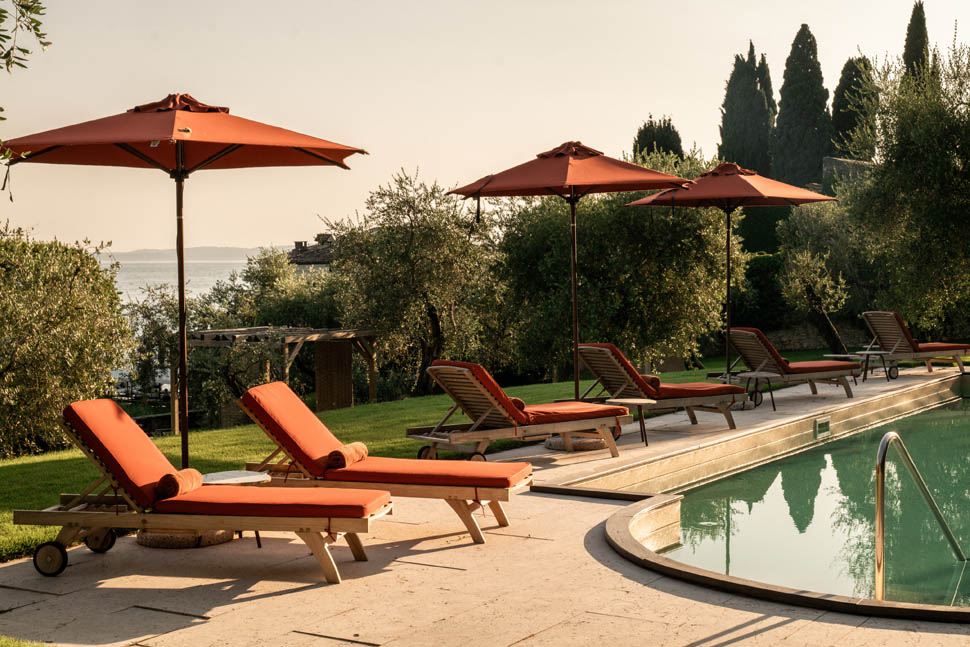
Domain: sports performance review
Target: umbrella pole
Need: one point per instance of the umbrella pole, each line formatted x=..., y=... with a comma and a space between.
x=183, y=372
x=727, y=307
x=572, y=267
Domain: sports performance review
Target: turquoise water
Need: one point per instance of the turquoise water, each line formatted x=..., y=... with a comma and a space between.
x=806, y=521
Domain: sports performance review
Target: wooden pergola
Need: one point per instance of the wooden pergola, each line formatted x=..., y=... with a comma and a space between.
x=333, y=355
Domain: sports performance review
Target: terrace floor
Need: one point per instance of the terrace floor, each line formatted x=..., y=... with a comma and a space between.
x=548, y=579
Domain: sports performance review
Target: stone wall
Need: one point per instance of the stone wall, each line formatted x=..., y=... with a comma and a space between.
x=806, y=336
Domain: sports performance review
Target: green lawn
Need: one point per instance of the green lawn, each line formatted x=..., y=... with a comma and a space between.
x=6, y=641
x=33, y=482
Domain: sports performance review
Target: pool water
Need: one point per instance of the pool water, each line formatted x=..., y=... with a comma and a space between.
x=806, y=521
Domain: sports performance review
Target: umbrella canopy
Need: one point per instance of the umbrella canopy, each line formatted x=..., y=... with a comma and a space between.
x=728, y=187
x=146, y=137
x=570, y=171
x=178, y=135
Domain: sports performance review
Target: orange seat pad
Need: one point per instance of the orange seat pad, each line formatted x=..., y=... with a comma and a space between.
x=247, y=501
x=696, y=390
x=540, y=414
x=410, y=471
x=821, y=367
x=940, y=346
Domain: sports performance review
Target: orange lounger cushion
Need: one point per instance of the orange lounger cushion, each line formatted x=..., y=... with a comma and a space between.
x=245, y=501
x=940, y=346
x=283, y=414
x=408, y=471
x=121, y=445
x=821, y=367
x=539, y=414
x=696, y=390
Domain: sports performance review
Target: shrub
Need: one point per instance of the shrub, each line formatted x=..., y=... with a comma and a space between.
x=62, y=331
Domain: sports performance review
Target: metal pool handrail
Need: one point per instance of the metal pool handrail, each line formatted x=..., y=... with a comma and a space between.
x=889, y=439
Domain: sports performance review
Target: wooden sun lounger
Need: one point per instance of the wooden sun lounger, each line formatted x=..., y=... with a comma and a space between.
x=302, y=441
x=760, y=356
x=116, y=501
x=494, y=417
x=898, y=345
x=618, y=378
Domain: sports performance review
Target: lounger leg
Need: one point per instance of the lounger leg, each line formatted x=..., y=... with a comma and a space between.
x=499, y=512
x=959, y=361
x=567, y=441
x=726, y=410
x=607, y=434
x=318, y=546
x=68, y=534
x=929, y=366
x=811, y=385
x=356, y=547
x=465, y=514
x=845, y=385
x=690, y=414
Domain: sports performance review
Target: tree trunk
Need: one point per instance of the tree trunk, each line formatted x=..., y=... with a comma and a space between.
x=820, y=319
x=429, y=351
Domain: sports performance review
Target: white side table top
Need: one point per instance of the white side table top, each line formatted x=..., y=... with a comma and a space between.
x=631, y=402
x=235, y=477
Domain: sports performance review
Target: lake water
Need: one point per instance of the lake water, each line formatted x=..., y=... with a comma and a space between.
x=200, y=276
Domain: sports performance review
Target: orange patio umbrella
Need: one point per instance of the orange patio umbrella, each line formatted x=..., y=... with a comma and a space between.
x=570, y=171
x=728, y=187
x=179, y=136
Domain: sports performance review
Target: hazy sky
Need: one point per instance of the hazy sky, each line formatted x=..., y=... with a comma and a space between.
x=456, y=89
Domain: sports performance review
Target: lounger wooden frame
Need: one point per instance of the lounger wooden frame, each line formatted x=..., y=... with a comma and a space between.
x=891, y=338
x=759, y=359
x=492, y=422
x=464, y=500
x=613, y=379
x=94, y=512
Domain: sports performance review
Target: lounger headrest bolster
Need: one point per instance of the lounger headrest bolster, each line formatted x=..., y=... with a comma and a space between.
x=288, y=420
x=491, y=386
x=648, y=386
x=775, y=355
x=909, y=337
x=132, y=458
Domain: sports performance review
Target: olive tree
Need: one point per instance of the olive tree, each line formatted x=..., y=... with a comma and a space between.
x=415, y=267
x=62, y=331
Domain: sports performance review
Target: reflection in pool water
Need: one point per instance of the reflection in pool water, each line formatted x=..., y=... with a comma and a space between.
x=806, y=521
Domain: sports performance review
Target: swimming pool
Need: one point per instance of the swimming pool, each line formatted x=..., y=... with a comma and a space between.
x=806, y=521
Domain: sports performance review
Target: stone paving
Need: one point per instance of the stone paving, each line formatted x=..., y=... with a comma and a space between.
x=548, y=579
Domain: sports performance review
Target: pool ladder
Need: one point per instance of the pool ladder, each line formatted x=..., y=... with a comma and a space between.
x=892, y=438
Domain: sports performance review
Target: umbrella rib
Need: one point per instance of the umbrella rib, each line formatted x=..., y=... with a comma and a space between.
x=321, y=157
x=128, y=148
x=31, y=156
x=217, y=156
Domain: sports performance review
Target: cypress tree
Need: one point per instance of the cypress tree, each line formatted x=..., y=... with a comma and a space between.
x=850, y=100
x=746, y=117
x=764, y=82
x=803, y=131
x=659, y=134
x=916, y=53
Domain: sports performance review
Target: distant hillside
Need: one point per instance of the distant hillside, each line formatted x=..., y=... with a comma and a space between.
x=191, y=254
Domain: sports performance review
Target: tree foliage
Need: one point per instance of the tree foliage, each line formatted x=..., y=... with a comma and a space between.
x=62, y=331
x=803, y=131
x=912, y=206
x=916, y=52
x=650, y=281
x=658, y=135
x=415, y=267
x=747, y=114
x=852, y=103
x=19, y=17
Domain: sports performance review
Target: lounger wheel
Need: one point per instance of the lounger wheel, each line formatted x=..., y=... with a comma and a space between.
x=425, y=452
x=616, y=432
x=101, y=542
x=757, y=397
x=893, y=372
x=477, y=456
x=50, y=559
